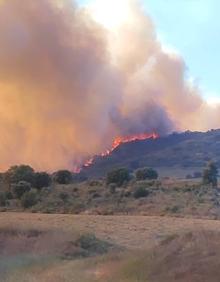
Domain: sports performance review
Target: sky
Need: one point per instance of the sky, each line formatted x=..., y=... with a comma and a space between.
x=192, y=28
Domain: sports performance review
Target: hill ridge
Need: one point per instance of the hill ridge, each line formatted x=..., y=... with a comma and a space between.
x=185, y=150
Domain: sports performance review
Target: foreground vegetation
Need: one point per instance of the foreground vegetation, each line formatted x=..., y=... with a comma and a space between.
x=121, y=192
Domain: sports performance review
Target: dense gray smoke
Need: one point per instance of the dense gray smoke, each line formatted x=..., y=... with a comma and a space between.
x=68, y=86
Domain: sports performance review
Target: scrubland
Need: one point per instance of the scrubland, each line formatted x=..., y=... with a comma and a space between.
x=158, y=197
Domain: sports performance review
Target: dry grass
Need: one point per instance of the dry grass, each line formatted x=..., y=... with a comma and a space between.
x=44, y=253
x=159, y=249
x=191, y=257
x=131, y=232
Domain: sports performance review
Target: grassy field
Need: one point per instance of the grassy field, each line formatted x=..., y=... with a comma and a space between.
x=41, y=247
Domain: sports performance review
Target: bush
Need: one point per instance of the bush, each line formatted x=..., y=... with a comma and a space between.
x=8, y=195
x=146, y=173
x=210, y=174
x=173, y=209
x=2, y=199
x=112, y=188
x=63, y=196
x=63, y=177
x=118, y=176
x=91, y=245
x=16, y=174
x=41, y=180
x=29, y=199
x=189, y=176
x=141, y=193
x=20, y=188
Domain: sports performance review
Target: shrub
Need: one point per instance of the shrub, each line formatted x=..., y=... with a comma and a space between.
x=41, y=180
x=141, y=193
x=146, y=173
x=2, y=199
x=8, y=195
x=29, y=199
x=91, y=245
x=127, y=194
x=63, y=177
x=118, y=176
x=112, y=187
x=16, y=174
x=210, y=174
x=173, y=209
x=20, y=188
x=63, y=196
x=96, y=195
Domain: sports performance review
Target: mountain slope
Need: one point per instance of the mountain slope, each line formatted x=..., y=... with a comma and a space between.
x=183, y=151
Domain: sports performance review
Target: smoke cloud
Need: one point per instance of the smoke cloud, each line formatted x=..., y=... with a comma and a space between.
x=69, y=86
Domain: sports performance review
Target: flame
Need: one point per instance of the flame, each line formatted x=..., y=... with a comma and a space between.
x=131, y=138
x=117, y=142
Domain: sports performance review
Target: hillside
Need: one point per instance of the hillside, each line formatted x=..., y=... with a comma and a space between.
x=178, y=153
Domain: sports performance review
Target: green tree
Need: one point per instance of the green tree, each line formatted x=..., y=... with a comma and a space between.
x=20, y=188
x=42, y=180
x=210, y=174
x=29, y=198
x=63, y=177
x=118, y=176
x=146, y=173
x=19, y=173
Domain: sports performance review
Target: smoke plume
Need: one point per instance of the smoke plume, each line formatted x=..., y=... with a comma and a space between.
x=69, y=86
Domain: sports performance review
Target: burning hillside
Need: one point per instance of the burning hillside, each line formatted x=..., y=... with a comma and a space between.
x=117, y=142
x=177, y=154
x=126, y=139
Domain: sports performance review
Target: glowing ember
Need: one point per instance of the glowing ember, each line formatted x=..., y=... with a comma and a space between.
x=117, y=142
